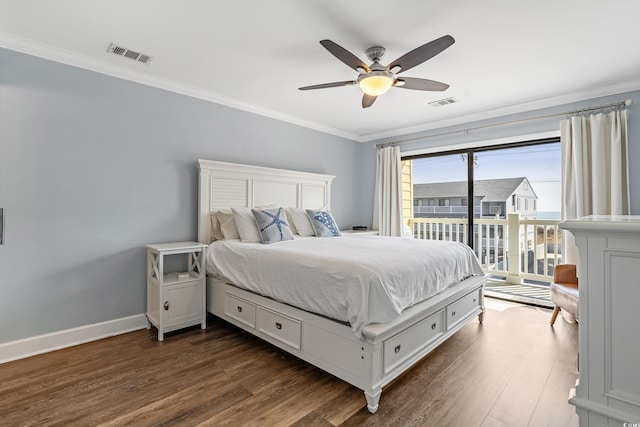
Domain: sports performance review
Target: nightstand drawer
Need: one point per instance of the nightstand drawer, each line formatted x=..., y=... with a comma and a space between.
x=241, y=310
x=279, y=326
x=460, y=309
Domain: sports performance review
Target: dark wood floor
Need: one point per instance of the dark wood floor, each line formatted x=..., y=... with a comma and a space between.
x=513, y=370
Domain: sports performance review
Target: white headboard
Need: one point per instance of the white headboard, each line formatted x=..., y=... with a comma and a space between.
x=223, y=185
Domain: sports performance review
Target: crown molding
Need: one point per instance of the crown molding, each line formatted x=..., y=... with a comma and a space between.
x=41, y=50
x=584, y=95
x=33, y=48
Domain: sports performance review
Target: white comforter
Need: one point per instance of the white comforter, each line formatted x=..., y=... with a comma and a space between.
x=356, y=279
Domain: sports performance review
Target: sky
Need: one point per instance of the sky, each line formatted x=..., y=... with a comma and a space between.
x=540, y=164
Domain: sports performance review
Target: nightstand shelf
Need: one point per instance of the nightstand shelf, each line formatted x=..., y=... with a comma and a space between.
x=176, y=300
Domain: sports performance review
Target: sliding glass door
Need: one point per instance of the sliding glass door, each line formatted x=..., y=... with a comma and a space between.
x=502, y=201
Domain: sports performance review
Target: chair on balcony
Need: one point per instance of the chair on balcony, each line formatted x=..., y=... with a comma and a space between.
x=564, y=292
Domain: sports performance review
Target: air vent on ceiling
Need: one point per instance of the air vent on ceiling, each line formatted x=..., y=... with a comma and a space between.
x=443, y=102
x=123, y=51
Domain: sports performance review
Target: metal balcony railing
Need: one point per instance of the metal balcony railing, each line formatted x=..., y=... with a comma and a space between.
x=513, y=248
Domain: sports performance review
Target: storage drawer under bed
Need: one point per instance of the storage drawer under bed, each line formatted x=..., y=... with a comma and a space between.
x=459, y=310
x=404, y=345
x=240, y=310
x=283, y=328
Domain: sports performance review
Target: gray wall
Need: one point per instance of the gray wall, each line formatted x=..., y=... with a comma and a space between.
x=93, y=168
x=531, y=127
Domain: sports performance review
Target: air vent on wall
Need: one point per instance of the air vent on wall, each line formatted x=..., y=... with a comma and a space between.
x=123, y=51
x=443, y=102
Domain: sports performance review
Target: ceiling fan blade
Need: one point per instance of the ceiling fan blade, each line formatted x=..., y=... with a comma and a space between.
x=344, y=55
x=420, y=54
x=328, y=85
x=368, y=100
x=419, y=84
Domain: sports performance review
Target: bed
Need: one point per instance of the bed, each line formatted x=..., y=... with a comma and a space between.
x=366, y=347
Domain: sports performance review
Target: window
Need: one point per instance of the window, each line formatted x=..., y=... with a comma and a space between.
x=526, y=204
x=495, y=174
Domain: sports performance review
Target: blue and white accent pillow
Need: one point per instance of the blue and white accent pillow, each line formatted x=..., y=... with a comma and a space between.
x=272, y=225
x=323, y=223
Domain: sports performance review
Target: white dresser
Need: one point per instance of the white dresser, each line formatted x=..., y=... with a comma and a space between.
x=608, y=389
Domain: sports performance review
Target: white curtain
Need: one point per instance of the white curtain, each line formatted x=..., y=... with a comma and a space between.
x=595, y=172
x=387, y=212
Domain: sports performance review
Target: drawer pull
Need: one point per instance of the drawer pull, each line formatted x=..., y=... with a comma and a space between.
x=397, y=348
x=166, y=305
x=474, y=300
x=453, y=313
x=239, y=309
x=278, y=325
x=433, y=326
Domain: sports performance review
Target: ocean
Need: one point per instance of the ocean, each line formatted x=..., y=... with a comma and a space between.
x=549, y=215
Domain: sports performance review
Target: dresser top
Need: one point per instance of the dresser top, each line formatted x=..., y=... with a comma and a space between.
x=612, y=223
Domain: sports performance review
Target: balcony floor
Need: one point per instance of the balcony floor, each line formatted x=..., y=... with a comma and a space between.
x=525, y=293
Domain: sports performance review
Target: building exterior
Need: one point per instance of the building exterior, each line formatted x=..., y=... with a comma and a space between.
x=493, y=198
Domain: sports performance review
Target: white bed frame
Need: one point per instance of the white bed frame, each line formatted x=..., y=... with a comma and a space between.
x=385, y=351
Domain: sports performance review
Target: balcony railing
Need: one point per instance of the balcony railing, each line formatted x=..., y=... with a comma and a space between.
x=444, y=210
x=513, y=248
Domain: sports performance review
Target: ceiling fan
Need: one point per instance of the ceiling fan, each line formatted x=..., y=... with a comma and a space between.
x=376, y=79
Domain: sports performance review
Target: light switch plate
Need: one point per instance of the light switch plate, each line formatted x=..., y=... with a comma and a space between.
x=1, y=226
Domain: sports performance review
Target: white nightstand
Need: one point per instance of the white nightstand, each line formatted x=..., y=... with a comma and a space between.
x=176, y=300
x=359, y=232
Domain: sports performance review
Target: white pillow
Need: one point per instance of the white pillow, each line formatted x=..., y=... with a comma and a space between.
x=216, y=233
x=246, y=225
x=215, y=226
x=227, y=226
x=292, y=226
x=301, y=222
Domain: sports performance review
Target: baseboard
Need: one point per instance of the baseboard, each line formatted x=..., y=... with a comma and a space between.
x=39, y=344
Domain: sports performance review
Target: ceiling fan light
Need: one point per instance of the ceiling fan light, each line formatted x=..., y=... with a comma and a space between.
x=375, y=83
